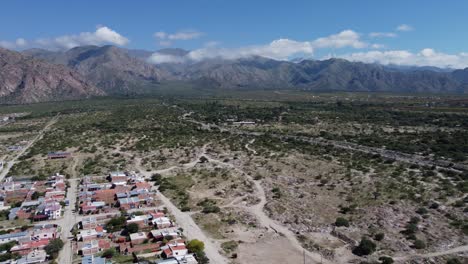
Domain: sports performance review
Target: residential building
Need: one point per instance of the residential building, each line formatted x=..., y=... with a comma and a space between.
x=138, y=238
x=13, y=237
x=36, y=256
x=93, y=260
x=90, y=248
x=162, y=222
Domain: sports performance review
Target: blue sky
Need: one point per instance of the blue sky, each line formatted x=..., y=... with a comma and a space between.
x=238, y=27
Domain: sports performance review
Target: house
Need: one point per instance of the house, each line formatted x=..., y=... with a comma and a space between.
x=142, y=186
x=129, y=203
x=140, y=220
x=162, y=222
x=12, y=215
x=36, y=256
x=90, y=248
x=138, y=238
x=119, y=180
x=87, y=235
x=53, y=210
x=104, y=244
x=55, y=195
x=186, y=259
x=89, y=222
x=58, y=155
x=117, y=174
x=93, y=260
x=13, y=237
x=44, y=232
x=23, y=214
x=90, y=207
x=171, y=250
x=25, y=248
x=167, y=233
x=168, y=261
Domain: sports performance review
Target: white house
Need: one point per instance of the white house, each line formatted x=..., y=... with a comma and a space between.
x=162, y=222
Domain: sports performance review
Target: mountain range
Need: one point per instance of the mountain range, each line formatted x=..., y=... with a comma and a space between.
x=37, y=75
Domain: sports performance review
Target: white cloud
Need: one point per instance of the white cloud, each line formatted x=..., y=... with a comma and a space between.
x=404, y=27
x=425, y=57
x=158, y=58
x=346, y=38
x=280, y=49
x=382, y=35
x=165, y=39
x=377, y=46
x=102, y=35
x=160, y=35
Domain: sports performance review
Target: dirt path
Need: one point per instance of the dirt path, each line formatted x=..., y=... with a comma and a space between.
x=266, y=221
x=7, y=167
x=433, y=254
x=247, y=146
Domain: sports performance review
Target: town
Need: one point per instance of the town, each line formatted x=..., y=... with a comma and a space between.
x=100, y=217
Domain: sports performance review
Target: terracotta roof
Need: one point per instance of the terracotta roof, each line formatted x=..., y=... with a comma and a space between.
x=104, y=244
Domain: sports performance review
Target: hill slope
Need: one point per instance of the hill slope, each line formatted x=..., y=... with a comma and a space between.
x=28, y=80
x=112, y=69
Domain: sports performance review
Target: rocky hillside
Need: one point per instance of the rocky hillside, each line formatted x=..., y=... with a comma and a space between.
x=28, y=80
x=114, y=70
x=117, y=71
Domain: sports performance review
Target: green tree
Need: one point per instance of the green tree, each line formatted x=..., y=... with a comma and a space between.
x=195, y=245
x=132, y=228
x=115, y=224
x=365, y=247
x=54, y=246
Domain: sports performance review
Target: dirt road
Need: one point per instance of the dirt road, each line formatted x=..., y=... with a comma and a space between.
x=432, y=254
x=7, y=167
x=184, y=220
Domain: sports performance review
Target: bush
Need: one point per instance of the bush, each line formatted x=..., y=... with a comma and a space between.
x=276, y=192
x=386, y=260
x=379, y=236
x=454, y=261
x=419, y=244
x=109, y=253
x=209, y=206
x=365, y=247
x=421, y=211
x=341, y=221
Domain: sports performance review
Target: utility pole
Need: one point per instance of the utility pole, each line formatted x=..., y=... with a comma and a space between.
x=303, y=254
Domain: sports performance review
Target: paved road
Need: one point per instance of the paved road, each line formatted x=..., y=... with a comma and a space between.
x=67, y=222
x=6, y=168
